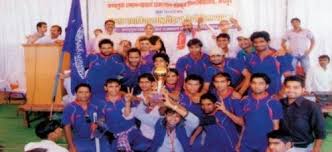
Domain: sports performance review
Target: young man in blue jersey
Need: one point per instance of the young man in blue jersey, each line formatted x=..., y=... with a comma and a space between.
x=103, y=66
x=261, y=113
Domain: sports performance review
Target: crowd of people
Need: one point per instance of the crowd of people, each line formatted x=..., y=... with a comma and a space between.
x=224, y=93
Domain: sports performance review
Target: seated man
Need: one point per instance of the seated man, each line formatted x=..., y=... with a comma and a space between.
x=280, y=141
x=49, y=132
x=41, y=30
x=53, y=38
x=319, y=80
x=172, y=132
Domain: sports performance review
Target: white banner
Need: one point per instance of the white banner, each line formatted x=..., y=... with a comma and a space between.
x=165, y=15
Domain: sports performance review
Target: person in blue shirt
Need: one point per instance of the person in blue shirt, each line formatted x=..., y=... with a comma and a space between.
x=246, y=48
x=173, y=131
x=196, y=62
x=223, y=104
x=189, y=98
x=132, y=70
x=78, y=123
x=263, y=60
x=103, y=66
x=261, y=113
x=117, y=115
x=159, y=60
x=240, y=76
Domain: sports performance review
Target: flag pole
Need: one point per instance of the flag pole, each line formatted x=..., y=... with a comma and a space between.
x=56, y=83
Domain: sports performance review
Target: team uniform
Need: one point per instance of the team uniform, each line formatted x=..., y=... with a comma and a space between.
x=81, y=121
x=129, y=77
x=128, y=137
x=231, y=66
x=100, y=69
x=186, y=65
x=268, y=65
x=258, y=115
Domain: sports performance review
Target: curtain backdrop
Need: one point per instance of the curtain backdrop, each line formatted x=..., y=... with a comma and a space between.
x=19, y=18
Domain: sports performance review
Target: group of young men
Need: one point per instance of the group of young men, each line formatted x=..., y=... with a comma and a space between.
x=209, y=102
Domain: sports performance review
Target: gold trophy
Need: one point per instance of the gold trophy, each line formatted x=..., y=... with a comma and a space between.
x=160, y=75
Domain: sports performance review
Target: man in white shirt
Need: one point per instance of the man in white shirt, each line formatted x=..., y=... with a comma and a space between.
x=109, y=33
x=49, y=131
x=300, y=44
x=53, y=38
x=319, y=77
x=41, y=30
x=319, y=80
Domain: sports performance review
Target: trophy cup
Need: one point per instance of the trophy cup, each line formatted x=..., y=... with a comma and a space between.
x=160, y=75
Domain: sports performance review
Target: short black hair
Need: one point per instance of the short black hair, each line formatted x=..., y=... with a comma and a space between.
x=112, y=80
x=295, y=78
x=264, y=76
x=260, y=34
x=132, y=50
x=222, y=74
x=105, y=41
x=194, y=41
x=174, y=71
x=224, y=35
x=295, y=19
x=44, y=128
x=58, y=27
x=148, y=76
x=82, y=85
x=209, y=96
x=324, y=56
x=164, y=56
x=284, y=136
x=109, y=20
x=40, y=24
x=195, y=77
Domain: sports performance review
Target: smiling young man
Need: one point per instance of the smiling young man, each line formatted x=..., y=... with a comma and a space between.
x=196, y=62
x=302, y=117
x=264, y=61
x=77, y=120
x=102, y=66
x=261, y=114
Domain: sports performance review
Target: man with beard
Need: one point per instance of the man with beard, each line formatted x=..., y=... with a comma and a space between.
x=103, y=66
x=132, y=70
